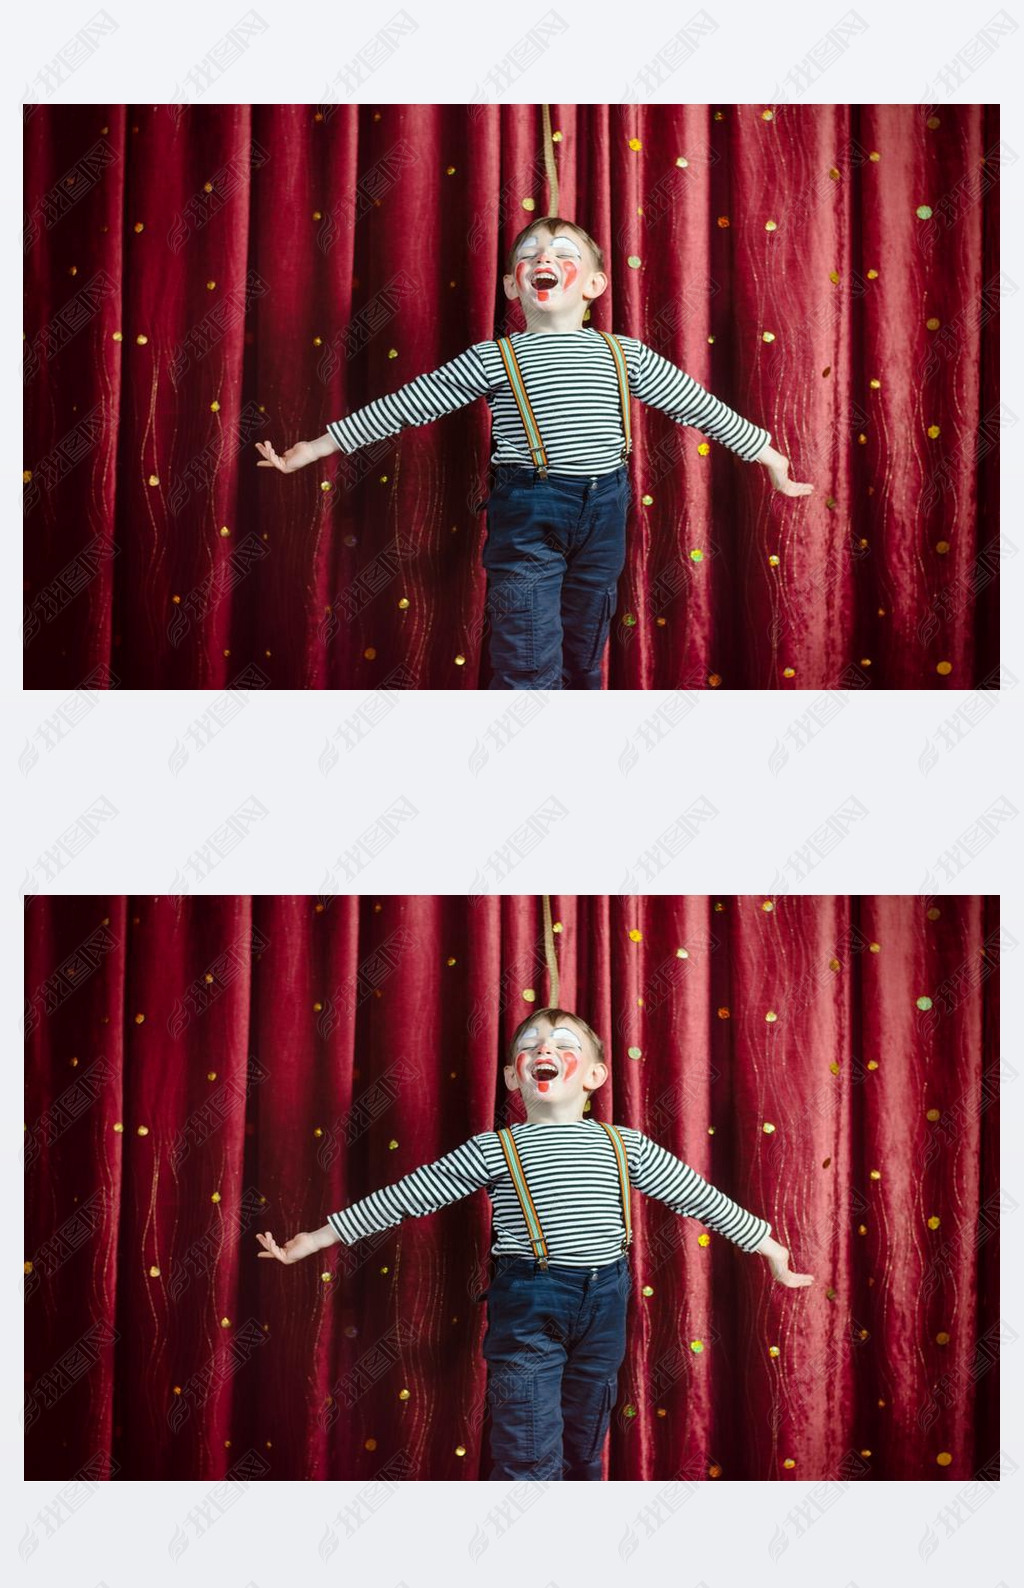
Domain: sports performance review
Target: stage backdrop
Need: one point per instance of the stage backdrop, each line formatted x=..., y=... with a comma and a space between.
x=200, y=1068
x=202, y=277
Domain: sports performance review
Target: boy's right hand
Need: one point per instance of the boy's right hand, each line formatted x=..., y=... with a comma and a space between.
x=301, y=1245
x=296, y=457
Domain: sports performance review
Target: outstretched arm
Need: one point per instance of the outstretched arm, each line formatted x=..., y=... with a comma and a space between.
x=664, y=385
x=430, y=396
x=423, y=1191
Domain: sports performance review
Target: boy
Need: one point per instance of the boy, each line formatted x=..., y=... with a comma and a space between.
x=559, y=1184
x=559, y=398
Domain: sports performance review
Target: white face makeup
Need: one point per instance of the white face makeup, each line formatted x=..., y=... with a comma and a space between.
x=555, y=1071
x=562, y=247
x=563, y=267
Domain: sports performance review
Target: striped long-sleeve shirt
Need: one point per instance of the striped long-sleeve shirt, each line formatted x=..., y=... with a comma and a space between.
x=572, y=384
x=573, y=1178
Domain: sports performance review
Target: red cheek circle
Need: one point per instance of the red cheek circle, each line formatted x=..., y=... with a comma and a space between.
x=521, y=1065
x=570, y=1066
x=521, y=269
x=542, y=1086
x=569, y=275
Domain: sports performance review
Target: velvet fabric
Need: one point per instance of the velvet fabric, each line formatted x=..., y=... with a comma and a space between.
x=200, y=1068
x=201, y=277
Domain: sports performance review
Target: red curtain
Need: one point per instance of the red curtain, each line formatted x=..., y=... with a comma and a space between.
x=199, y=1068
x=201, y=277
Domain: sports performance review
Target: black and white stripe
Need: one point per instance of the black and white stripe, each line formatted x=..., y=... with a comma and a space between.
x=574, y=392
x=573, y=1178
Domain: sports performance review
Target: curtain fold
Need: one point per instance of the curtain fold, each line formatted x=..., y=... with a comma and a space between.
x=201, y=1068
x=202, y=277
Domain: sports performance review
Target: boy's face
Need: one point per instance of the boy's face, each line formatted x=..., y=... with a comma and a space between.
x=554, y=278
x=555, y=1068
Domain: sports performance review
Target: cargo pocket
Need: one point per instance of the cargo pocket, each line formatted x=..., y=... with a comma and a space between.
x=599, y=633
x=510, y=617
x=596, y=1433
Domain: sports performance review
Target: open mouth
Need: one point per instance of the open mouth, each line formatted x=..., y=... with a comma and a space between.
x=545, y=1071
x=545, y=281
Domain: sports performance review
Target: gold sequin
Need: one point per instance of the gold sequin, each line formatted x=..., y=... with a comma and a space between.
x=460, y=660
x=933, y=1114
x=403, y=1395
x=923, y=212
x=789, y=1462
x=872, y=275
x=770, y=226
x=647, y=500
x=724, y=222
x=215, y=1196
x=529, y=204
x=648, y=1290
x=392, y=1144
x=140, y=341
x=211, y=1075
x=724, y=1012
x=696, y=1346
x=942, y=547
x=154, y=1272
x=932, y=324
x=369, y=653
x=634, y=1053
x=872, y=1064
x=767, y=336
x=119, y=1128
x=874, y=156
x=682, y=161
x=318, y=341
x=833, y=172
x=773, y=1350
x=154, y=479
x=530, y=995
x=714, y=679
x=703, y=447
x=704, y=1240
x=139, y=226
x=933, y=431
x=934, y=1222
x=403, y=603
x=215, y=407
x=635, y=144
x=943, y=1458
x=771, y=1017
x=773, y=561
x=942, y=1338
x=634, y=261
x=768, y=1128
x=225, y=1323
x=460, y=1450
x=924, y=1003
x=944, y=668
x=876, y=1174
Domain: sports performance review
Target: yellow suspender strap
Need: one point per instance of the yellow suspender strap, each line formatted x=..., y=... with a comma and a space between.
x=515, y=1169
x=623, y=1165
x=623, y=374
x=526, y=414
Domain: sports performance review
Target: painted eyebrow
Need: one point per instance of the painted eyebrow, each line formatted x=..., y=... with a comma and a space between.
x=559, y=239
x=563, y=1031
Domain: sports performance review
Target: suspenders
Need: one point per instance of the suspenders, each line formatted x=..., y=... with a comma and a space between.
x=515, y=380
x=534, y=1230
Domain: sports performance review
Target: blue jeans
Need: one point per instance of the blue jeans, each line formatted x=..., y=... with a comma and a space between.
x=554, y=1344
x=554, y=551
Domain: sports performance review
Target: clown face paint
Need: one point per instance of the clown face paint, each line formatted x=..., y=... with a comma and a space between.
x=564, y=250
x=569, y=1049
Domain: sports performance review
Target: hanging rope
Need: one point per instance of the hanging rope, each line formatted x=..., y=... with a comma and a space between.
x=549, y=162
x=549, y=954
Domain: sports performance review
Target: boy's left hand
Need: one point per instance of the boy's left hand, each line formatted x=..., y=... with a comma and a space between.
x=778, y=470
x=781, y=481
x=778, y=1262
